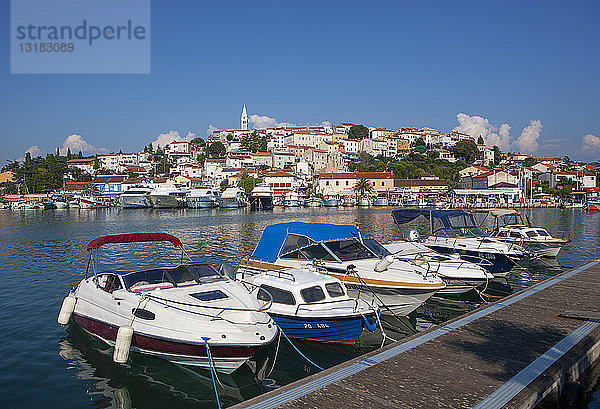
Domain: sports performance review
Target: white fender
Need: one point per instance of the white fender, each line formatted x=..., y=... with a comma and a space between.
x=384, y=263
x=122, y=344
x=66, y=310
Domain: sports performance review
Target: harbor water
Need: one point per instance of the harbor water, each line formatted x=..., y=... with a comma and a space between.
x=42, y=253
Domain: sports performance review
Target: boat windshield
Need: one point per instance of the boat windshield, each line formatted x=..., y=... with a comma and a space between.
x=349, y=249
x=465, y=232
x=375, y=247
x=180, y=276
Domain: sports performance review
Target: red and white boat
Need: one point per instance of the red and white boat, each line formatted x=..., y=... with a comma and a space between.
x=189, y=314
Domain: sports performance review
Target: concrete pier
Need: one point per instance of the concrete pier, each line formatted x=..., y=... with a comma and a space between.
x=512, y=353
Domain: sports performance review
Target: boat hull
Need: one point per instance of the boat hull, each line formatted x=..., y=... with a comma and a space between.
x=292, y=203
x=200, y=202
x=165, y=202
x=261, y=203
x=392, y=301
x=498, y=263
x=230, y=203
x=339, y=331
x=225, y=358
x=331, y=203
x=133, y=202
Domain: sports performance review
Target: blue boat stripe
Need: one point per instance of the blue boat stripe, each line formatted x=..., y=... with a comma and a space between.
x=517, y=383
x=326, y=380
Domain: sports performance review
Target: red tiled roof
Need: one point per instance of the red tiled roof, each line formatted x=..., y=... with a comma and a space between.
x=356, y=175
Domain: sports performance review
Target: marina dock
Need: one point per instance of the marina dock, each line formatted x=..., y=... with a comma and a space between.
x=511, y=353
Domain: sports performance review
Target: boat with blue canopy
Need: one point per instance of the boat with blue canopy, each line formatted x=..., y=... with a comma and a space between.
x=369, y=271
x=455, y=231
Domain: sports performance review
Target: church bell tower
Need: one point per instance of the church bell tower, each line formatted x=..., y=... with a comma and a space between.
x=244, y=119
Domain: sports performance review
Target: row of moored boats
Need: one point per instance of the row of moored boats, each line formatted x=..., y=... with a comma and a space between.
x=312, y=281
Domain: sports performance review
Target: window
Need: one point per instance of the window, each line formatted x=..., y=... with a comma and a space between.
x=515, y=235
x=382, y=183
x=326, y=183
x=349, y=249
x=314, y=252
x=375, y=247
x=334, y=289
x=210, y=295
x=109, y=282
x=531, y=234
x=295, y=241
x=312, y=294
x=337, y=182
x=266, y=292
x=542, y=233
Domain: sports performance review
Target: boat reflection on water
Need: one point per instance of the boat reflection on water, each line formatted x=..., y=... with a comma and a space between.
x=152, y=382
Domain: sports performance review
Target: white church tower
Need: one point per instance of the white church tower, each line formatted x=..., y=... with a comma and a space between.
x=244, y=119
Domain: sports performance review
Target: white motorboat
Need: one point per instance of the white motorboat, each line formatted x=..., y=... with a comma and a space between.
x=168, y=196
x=26, y=205
x=136, y=197
x=312, y=306
x=515, y=228
x=313, y=202
x=367, y=269
x=331, y=201
x=202, y=197
x=364, y=201
x=459, y=275
x=348, y=201
x=261, y=198
x=381, y=201
x=189, y=314
x=232, y=197
x=455, y=231
x=292, y=199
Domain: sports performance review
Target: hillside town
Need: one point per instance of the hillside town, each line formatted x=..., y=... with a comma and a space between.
x=415, y=166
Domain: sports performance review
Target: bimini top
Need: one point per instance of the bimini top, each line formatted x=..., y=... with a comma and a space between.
x=442, y=219
x=132, y=238
x=274, y=237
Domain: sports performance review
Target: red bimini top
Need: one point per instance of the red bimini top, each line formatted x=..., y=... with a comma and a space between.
x=132, y=238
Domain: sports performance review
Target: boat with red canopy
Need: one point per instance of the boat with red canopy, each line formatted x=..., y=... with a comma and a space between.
x=191, y=313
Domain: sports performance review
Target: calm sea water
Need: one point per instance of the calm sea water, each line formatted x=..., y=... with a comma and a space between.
x=43, y=252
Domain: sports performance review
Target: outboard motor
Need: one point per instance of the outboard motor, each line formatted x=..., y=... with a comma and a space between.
x=228, y=270
x=413, y=235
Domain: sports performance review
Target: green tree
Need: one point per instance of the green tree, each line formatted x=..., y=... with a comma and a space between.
x=480, y=141
x=198, y=141
x=466, y=150
x=497, y=155
x=358, y=132
x=216, y=150
x=224, y=185
x=362, y=186
x=529, y=162
x=420, y=142
x=247, y=182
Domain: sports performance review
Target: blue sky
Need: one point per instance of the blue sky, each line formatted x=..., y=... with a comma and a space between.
x=392, y=64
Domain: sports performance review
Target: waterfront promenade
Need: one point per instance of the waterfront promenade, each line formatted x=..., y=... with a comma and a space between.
x=512, y=353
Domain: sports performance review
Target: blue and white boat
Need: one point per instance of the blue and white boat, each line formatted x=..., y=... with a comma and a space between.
x=312, y=306
x=367, y=269
x=455, y=231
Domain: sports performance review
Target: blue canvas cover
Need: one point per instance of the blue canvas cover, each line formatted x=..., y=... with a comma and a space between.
x=446, y=219
x=273, y=238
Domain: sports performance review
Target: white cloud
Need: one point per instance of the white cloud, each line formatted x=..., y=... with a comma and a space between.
x=264, y=121
x=527, y=142
x=76, y=143
x=171, y=136
x=590, y=142
x=477, y=126
x=34, y=151
x=211, y=129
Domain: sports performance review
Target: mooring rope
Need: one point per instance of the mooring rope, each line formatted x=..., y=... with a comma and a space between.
x=212, y=370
